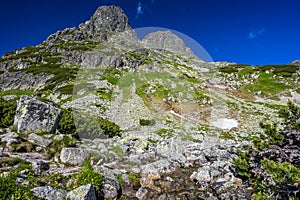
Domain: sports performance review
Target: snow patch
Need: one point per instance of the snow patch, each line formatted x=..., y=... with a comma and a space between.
x=225, y=123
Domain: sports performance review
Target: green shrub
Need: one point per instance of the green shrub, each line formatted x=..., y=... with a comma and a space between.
x=228, y=69
x=147, y=122
x=283, y=70
x=10, y=190
x=121, y=181
x=7, y=112
x=67, y=89
x=245, y=71
x=88, y=176
x=164, y=133
x=133, y=178
x=89, y=126
x=66, y=124
x=267, y=165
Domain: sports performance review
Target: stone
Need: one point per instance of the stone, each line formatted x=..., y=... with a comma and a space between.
x=10, y=138
x=172, y=149
x=84, y=192
x=156, y=169
x=143, y=193
x=146, y=182
x=110, y=185
x=168, y=41
x=49, y=193
x=39, y=140
x=34, y=115
x=75, y=156
x=39, y=166
x=107, y=18
x=202, y=175
x=109, y=191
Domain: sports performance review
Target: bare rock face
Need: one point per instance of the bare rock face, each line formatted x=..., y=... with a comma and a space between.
x=34, y=115
x=84, y=192
x=106, y=19
x=168, y=41
x=75, y=156
x=49, y=193
x=109, y=18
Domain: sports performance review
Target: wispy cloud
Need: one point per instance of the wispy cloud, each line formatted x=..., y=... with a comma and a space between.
x=255, y=34
x=139, y=10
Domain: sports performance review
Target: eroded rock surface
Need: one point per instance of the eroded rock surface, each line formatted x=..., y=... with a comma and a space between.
x=34, y=115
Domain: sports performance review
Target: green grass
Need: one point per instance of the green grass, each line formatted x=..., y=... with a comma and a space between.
x=121, y=181
x=56, y=146
x=164, y=133
x=15, y=161
x=265, y=84
x=245, y=71
x=227, y=135
x=76, y=45
x=67, y=89
x=16, y=92
x=133, y=178
x=147, y=122
x=88, y=176
x=93, y=126
x=10, y=190
x=283, y=70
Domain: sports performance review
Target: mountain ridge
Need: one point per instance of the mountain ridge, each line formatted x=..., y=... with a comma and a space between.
x=155, y=121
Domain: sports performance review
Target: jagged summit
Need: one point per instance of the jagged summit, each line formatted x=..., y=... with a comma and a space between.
x=108, y=18
x=105, y=19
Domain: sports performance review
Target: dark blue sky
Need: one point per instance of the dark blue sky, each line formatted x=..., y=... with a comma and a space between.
x=242, y=31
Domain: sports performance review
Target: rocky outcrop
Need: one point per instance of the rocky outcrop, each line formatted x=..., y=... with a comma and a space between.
x=23, y=81
x=84, y=192
x=49, y=193
x=168, y=41
x=39, y=140
x=75, y=156
x=34, y=115
x=106, y=19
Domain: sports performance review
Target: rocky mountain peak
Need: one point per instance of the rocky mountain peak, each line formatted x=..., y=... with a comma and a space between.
x=107, y=18
x=168, y=41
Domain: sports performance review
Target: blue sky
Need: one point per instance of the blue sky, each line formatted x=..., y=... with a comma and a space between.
x=243, y=31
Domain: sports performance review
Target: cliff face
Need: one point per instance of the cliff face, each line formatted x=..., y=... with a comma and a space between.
x=157, y=121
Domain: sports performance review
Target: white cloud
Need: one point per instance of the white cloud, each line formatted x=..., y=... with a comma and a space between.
x=255, y=34
x=139, y=10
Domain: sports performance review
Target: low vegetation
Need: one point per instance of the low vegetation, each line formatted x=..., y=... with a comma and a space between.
x=88, y=176
x=95, y=127
x=9, y=189
x=7, y=112
x=266, y=84
x=268, y=165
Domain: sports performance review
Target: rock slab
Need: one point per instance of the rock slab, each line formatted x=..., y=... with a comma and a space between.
x=75, y=156
x=49, y=193
x=34, y=115
x=84, y=192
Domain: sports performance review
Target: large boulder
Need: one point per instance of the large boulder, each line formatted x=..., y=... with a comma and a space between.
x=39, y=140
x=75, y=156
x=110, y=188
x=34, y=115
x=84, y=192
x=49, y=193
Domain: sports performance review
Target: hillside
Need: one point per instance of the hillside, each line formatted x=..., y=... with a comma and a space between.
x=94, y=112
